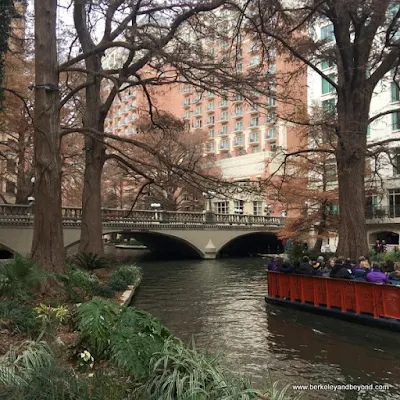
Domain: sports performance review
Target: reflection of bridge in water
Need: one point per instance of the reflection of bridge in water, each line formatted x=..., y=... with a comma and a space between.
x=189, y=234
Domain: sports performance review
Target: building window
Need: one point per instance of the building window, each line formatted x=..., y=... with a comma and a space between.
x=254, y=137
x=396, y=121
x=327, y=33
x=325, y=64
x=224, y=116
x=224, y=144
x=198, y=110
x=211, y=147
x=224, y=130
x=327, y=87
x=10, y=187
x=211, y=133
x=239, y=67
x=394, y=203
x=222, y=207
x=239, y=126
x=211, y=120
x=238, y=111
x=257, y=207
x=199, y=123
x=271, y=133
x=395, y=92
x=329, y=106
x=238, y=206
x=270, y=101
x=396, y=163
x=254, y=121
x=210, y=106
x=256, y=149
x=255, y=60
x=238, y=141
x=271, y=117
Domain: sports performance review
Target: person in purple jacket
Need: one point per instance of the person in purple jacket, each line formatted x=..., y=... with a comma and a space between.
x=272, y=266
x=376, y=275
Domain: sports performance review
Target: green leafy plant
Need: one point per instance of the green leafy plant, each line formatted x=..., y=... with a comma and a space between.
x=20, y=277
x=78, y=283
x=16, y=316
x=179, y=372
x=90, y=261
x=130, y=274
x=49, y=317
x=103, y=291
x=117, y=284
x=96, y=320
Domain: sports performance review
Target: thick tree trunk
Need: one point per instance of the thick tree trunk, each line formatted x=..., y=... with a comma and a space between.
x=91, y=240
x=48, y=243
x=350, y=155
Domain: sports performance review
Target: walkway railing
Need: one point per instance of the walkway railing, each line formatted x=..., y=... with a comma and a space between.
x=13, y=212
x=344, y=295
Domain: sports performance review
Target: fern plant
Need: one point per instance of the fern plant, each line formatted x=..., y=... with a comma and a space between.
x=20, y=277
x=90, y=261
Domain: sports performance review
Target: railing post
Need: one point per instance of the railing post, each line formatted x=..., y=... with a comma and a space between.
x=210, y=217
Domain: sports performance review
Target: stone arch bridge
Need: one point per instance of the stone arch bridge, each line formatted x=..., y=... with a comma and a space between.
x=199, y=235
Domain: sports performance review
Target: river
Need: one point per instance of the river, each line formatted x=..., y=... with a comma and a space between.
x=221, y=303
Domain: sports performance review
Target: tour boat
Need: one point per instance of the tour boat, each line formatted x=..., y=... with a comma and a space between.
x=356, y=301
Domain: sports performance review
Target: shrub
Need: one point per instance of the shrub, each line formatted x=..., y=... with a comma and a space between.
x=118, y=284
x=16, y=316
x=130, y=274
x=103, y=291
x=90, y=261
x=177, y=372
x=20, y=277
x=78, y=284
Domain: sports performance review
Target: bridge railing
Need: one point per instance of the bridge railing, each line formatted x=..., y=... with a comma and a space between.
x=25, y=212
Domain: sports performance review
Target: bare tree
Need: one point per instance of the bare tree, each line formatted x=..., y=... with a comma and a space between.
x=364, y=50
x=48, y=243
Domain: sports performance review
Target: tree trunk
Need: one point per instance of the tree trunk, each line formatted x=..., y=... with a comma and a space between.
x=350, y=156
x=91, y=240
x=23, y=187
x=48, y=243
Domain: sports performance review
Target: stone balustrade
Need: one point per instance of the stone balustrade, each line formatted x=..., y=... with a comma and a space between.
x=24, y=213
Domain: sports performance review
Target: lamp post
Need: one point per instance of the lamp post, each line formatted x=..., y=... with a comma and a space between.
x=155, y=207
x=210, y=217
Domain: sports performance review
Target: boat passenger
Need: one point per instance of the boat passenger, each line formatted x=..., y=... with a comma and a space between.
x=272, y=265
x=304, y=268
x=395, y=275
x=360, y=271
x=321, y=262
x=326, y=271
x=340, y=271
x=376, y=275
x=284, y=266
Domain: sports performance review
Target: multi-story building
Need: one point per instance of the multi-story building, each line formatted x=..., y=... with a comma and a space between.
x=247, y=134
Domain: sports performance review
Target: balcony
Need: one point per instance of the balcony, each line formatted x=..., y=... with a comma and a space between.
x=223, y=104
x=210, y=109
x=382, y=212
x=254, y=140
x=237, y=114
x=238, y=142
x=238, y=129
x=271, y=136
x=198, y=99
x=186, y=103
x=223, y=147
x=223, y=133
x=210, y=122
x=253, y=110
x=254, y=125
x=237, y=99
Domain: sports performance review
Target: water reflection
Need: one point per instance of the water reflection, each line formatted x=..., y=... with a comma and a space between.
x=221, y=303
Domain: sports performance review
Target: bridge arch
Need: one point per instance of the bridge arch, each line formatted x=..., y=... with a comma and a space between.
x=164, y=244
x=6, y=252
x=251, y=243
